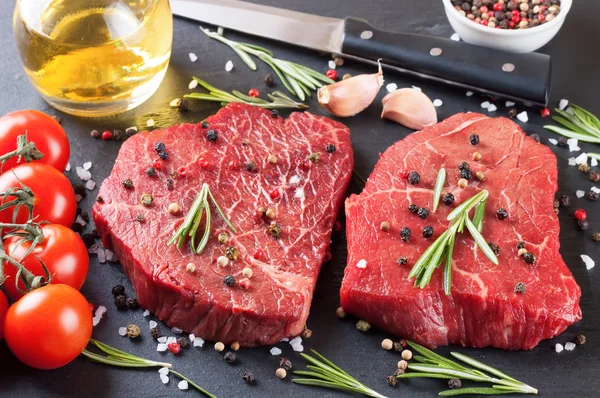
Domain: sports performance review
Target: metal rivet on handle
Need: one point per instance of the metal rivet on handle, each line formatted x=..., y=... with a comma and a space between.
x=366, y=34
x=435, y=51
x=508, y=67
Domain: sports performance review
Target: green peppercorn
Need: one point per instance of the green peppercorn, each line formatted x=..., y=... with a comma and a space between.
x=128, y=184
x=147, y=199
x=520, y=288
x=133, y=331
x=275, y=230
x=232, y=253
x=453, y=384
x=363, y=326
x=314, y=157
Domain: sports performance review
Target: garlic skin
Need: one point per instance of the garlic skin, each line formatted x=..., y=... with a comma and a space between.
x=409, y=107
x=348, y=97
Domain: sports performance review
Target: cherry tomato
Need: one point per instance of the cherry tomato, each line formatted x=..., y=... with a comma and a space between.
x=48, y=136
x=62, y=251
x=3, y=309
x=48, y=327
x=54, y=200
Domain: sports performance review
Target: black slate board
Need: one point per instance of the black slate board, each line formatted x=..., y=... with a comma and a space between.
x=570, y=374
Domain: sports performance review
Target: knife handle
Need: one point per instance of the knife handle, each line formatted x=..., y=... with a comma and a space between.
x=456, y=63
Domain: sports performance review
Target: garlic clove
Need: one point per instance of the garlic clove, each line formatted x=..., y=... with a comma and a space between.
x=351, y=96
x=410, y=108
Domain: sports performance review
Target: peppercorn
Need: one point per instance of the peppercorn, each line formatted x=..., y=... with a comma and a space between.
x=229, y=280
x=182, y=105
x=392, y=381
x=399, y=372
x=413, y=208
x=250, y=166
x=462, y=183
x=427, y=232
x=385, y=226
x=212, y=135
x=594, y=176
x=414, y=178
x=175, y=348
x=285, y=363
x=163, y=155
x=423, y=212
x=121, y=301
x=580, y=214
x=88, y=240
x=464, y=166
x=565, y=201
x=363, y=326
x=140, y=218
x=79, y=189
x=580, y=339
x=448, y=199
x=520, y=245
x=76, y=227
x=501, y=214
x=133, y=303
x=466, y=6
x=596, y=237
x=147, y=199
x=592, y=195
x=494, y=248
x=520, y=288
x=476, y=156
x=330, y=148
x=95, y=134
x=529, y=258
x=340, y=312
x=562, y=141
x=474, y=139
x=205, y=124
x=130, y=132
x=512, y=113
x=405, y=234
x=118, y=290
x=480, y=176
x=453, y=384
x=281, y=373
x=314, y=157
x=275, y=230
x=219, y=346
x=249, y=378
x=229, y=357
x=159, y=147
x=467, y=174
x=128, y=184
x=306, y=333
x=407, y=355
x=402, y=260
x=133, y=331
x=274, y=113
x=583, y=224
x=150, y=171
x=398, y=347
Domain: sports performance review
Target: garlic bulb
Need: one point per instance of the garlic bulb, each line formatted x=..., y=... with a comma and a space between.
x=410, y=108
x=351, y=96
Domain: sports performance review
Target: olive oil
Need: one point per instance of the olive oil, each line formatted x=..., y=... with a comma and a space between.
x=94, y=57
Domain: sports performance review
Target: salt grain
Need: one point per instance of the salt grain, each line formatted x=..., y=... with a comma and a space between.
x=87, y=165
x=469, y=94
x=90, y=185
x=562, y=105
x=122, y=331
x=193, y=84
x=570, y=346
x=110, y=256
x=80, y=221
x=299, y=193
x=362, y=263
x=492, y=108
x=587, y=260
x=296, y=340
x=275, y=351
x=331, y=64
x=176, y=330
x=595, y=189
x=162, y=339
x=455, y=37
x=485, y=104
x=95, y=321
x=174, y=103
x=164, y=379
x=198, y=342
x=523, y=117
x=152, y=324
x=509, y=104
x=572, y=162
x=101, y=256
x=416, y=88
x=229, y=66
x=94, y=249
x=163, y=371
x=284, y=340
x=183, y=385
x=171, y=339
x=294, y=180
x=193, y=57
x=594, y=162
x=68, y=168
x=437, y=102
x=146, y=313
x=580, y=194
x=83, y=174
x=391, y=87
x=581, y=159
x=150, y=123
x=298, y=348
x=552, y=141
x=558, y=348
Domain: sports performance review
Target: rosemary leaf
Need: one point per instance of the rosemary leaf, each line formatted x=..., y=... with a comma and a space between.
x=594, y=155
x=479, y=214
x=595, y=121
x=214, y=202
x=435, y=259
x=479, y=365
x=427, y=353
x=422, y=359
x=213, y=90
x=467, y=375
x=578, y=120
x=476, y=390
x=327, y=384
x=257, y=48
x=196, y=386
x=481, y=241
x=568, y=124
x=206, y=235
x=423, y=375
x=422, y=262
x=247, y=98
x=571, y=134
x=467, y=205
x=439, y=185
x=448, y=267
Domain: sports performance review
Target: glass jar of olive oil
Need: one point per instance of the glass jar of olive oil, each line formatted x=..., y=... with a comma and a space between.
x=94, y=57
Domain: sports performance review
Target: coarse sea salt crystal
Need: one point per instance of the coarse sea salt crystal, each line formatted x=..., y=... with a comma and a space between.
x=229, y=66
x=331, y=64
x=193, y=57
x=455, y=37
x=294, y=180
x=193, y=84
x=562, y=104
x=509, y=104
x=594, y=162
x=163, y=371
x=284, y=340
x=485, y=104
x=595, y=189
x=552, y=141
x=587, y=260
x=87, y=165
x=95, y=321
x=171, y=339
x=296, y=340
x=192, y=336
x=68, y=168
x=523, y=117
x=146, y=313
x=80, y=221
x=101, y=256
x=150, y=123
x=164, y=379
x=161, y=347
x=469, y=94
x=176, y=330
x=298, y=347
x=162, y=339
x=94, y=249
x=558, y=347
x=580, y=194
x=275, y=351
x=198, y=342
x=362, y=263
x=90, y=185
x=416, y=88
x=437, y=102
x=183, y=385
x=299, y=193
x=83, y=173
x=174, y=103
x=152, y=324
x=572, y=162
x=391, y=87
x=570, y=346
x=122, y=331
x=110, y=256
x=581, y=159
x=492, y=108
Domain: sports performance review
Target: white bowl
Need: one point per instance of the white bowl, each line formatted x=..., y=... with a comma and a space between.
x=514, y=41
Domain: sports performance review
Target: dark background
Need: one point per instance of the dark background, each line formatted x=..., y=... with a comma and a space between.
x=569, y=374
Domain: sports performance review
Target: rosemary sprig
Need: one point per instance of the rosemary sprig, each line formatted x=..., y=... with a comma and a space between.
x=324, y=373
x=578, y=123
x=116, y=357
x=432, y=365
x=441, y=249
x=439, y=185
x=193, y=219
x=298, y=79
x=278, y=99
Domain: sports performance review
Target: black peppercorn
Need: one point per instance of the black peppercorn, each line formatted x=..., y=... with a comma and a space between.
x=132, y=303
x=499, y=15
x=183, y=342
x=120, y=301
x=580, y=339
x=159, y=146
x=423, y=212
x=414, y=178
x=520, y=288
x=427, y=232
x=169, y=184
x=592, y=195
x=467, y=174
x=229, y=280
x=413, y=208
x=562, y=141
x=150, y=171
x=274, y=113
x=182, y=105
x=330, y=148
x=565, y=201
x=448, y=199
x=520, y=245
x=392, y=381
x=474, y=139
x=536, y=137
x=494, y=248
x=95, y=134
x=529, y=258
x=501, y=214
x=128, y=184
x=250, y=166
x=130, y=132
x=88, y=240
x=163, y=155
x=269, y=80
x=453, y=384
x=503, y=23
x=249, y=378
x=229, y=357
x=402, y=260
x=79, y=189
x=140, y=218
x=405, y=234
x=285, y=363
x=155, y=333
x=205, y=124
x=275, y=230
x=118, y=290
x=76, y=227
x=466, y=6
x=212, y=135
x=85, y=216
x=512, y=113
x=583, y=224
x=464, y=166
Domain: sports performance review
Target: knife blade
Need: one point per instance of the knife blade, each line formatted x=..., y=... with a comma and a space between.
x=520, y=77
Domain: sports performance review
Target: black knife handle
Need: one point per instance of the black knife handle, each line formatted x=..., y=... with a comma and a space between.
x=459, y=63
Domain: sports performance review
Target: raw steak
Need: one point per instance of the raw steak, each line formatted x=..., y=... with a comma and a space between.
x=483, y=308
x=278, y=300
